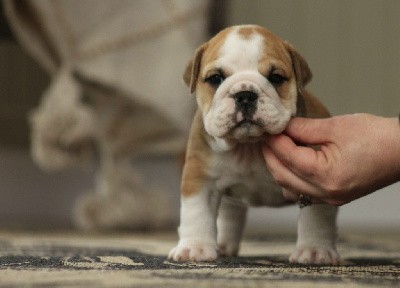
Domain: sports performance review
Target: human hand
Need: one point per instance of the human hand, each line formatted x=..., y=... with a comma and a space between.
x=358, y=155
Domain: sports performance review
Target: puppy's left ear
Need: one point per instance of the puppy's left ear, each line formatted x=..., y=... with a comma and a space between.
x=301, y=69
x=192, y=70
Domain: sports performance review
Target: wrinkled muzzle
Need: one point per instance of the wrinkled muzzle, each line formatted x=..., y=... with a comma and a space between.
x=245, y=105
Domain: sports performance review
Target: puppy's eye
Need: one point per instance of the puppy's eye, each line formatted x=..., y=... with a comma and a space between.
x=215, y=80
x=276, y=79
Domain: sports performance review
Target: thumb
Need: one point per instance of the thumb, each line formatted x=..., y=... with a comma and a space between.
x=309, y=131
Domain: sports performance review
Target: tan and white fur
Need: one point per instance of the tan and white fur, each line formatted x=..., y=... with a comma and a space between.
x=248, y=83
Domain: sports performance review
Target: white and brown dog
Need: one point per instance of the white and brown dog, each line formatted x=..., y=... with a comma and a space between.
x=248, y=82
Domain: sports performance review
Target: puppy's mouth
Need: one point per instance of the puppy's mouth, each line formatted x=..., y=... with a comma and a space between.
x=246, y=130
x=246, y=123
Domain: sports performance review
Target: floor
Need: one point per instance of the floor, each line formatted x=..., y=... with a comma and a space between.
x=70, y=259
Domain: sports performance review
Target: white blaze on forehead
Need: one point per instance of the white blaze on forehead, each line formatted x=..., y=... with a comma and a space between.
x=241, y=53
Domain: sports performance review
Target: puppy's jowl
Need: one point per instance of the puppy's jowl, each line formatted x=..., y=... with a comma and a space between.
x=248, y=82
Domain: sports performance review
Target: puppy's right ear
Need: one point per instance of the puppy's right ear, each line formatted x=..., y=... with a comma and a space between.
x=192, y=70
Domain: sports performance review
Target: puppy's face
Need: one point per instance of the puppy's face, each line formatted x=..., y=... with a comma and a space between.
x=246, y=81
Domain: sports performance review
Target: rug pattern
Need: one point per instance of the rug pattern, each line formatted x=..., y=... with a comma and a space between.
x=70, y=260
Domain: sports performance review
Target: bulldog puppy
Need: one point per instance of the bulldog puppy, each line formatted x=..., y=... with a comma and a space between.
x=248, y=83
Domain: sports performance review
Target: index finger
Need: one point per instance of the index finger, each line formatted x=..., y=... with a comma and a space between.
x=310, y=131
x=303, y=161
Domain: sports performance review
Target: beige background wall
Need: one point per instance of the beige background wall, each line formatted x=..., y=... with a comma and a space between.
x=352, y=47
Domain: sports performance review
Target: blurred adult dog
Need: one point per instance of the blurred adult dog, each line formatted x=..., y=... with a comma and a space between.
x=248, y=82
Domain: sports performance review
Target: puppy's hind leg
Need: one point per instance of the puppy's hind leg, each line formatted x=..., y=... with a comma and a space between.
x=230, y=223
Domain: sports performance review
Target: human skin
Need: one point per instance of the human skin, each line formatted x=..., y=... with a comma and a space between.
x=357, y=155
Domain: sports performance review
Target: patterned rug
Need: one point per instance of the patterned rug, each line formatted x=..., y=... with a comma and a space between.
x=138, y=260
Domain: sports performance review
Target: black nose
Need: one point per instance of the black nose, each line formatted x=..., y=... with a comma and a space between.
x=246, y=100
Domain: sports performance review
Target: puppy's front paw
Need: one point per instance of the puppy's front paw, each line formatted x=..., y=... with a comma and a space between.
x=315, y=255
x=196, y=251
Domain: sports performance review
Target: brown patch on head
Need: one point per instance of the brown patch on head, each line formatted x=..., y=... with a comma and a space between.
x=275, y=52
x=290, y=61
x=282, y=50
x=214, y=46
x=204, y=54
x=247, y=31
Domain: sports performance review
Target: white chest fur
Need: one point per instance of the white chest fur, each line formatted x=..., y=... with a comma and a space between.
x=241, y=173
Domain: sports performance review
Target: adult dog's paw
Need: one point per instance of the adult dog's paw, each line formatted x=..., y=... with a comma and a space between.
x=193, y=251
x=315, y=255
